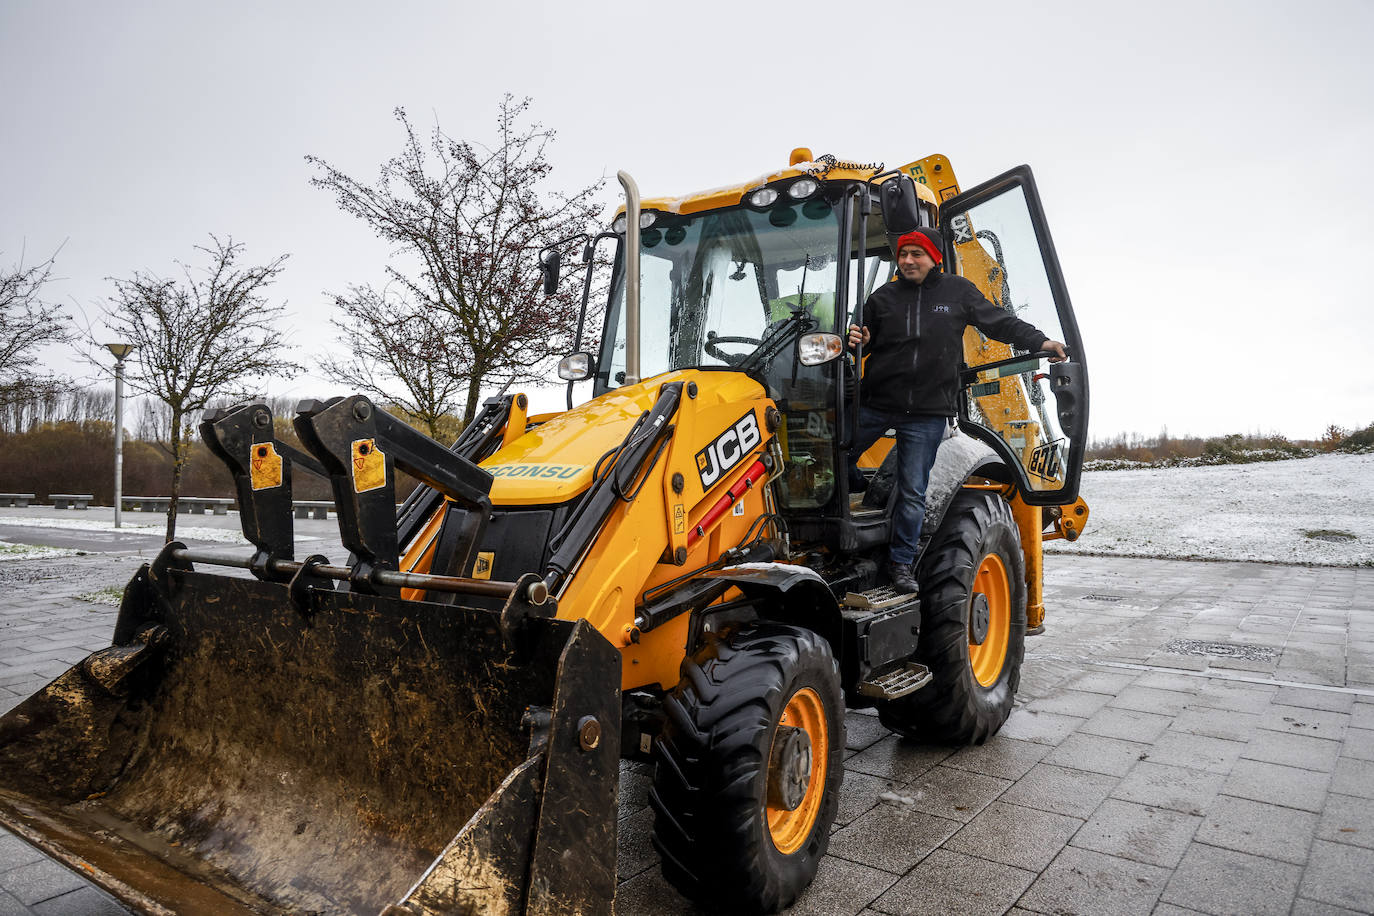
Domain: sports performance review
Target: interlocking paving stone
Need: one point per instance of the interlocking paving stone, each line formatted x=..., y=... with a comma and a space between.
x=1216, y=723
x=1348, y=819
x=1177, y=788
x=897, y=759
x=1259, y=828
x=1088, y=883
x=950, y=882
x=1223, y=881
x=1292, y=750
x=863, y=731
x=1109, y=756
x=1126, y=724
x=40, y=880
x=1340, y=875
x=649, y=894
x=1167, y=680
x=1196, y=752
x=1353, y=777
x=841, y=888
x=1144, y=833
x=1015, y=835
x=634, y=847
x=1078, y=703
x=1359, y=743
x=1303, y=907
x=1109, y=683
x=955, y=794
x=9, y=906
x=891, y=837
x=1005, y=758
x=635, y=779
x=85, y=901
x=1040, y=727
x=860, y=792
x=1076, y=793
x=1296, y=720
x=14, y=852
x=1151, y=699
x=1291, y=787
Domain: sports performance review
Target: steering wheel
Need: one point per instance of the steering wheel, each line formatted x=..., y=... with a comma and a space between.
x=732, y=359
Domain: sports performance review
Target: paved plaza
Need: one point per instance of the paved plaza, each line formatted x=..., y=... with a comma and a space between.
x=1189, y=737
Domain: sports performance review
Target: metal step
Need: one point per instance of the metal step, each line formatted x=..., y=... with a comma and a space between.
x=875, y=599
x=897, y=683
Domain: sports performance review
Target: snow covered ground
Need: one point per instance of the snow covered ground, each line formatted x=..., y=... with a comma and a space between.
x=1317, y=511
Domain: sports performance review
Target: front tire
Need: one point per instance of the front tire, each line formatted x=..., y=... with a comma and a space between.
x=973, y=605
x=748, y=769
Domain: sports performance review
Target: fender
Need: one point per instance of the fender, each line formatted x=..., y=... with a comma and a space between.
x=789, y=593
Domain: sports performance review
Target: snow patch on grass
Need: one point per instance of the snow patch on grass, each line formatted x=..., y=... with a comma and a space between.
x=12, y=551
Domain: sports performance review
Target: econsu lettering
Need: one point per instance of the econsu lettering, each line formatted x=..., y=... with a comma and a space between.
x=726, y=450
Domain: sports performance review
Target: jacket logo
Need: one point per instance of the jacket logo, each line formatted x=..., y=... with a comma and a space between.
x=940, y=308
x=726, y=450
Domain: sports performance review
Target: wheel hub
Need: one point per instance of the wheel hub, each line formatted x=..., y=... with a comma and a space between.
x=789, y=769
x=979, y=618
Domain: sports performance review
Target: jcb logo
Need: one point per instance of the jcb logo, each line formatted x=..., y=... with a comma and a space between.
x=726, y=450
x=1044, y=461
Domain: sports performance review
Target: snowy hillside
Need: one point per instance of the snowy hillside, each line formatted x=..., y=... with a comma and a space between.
x=1316, y=511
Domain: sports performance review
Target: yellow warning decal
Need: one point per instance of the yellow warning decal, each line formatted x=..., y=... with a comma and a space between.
x=679, y=518
x=265, y=471
x=481, y=568
x=369, y=466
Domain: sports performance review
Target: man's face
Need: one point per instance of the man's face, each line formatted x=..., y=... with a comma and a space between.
x=914, y=263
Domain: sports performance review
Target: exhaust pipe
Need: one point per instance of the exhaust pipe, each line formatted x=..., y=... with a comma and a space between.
x=631, y=278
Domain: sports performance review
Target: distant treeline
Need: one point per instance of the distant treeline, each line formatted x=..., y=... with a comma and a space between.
x=1131, y=449
x=63, y=442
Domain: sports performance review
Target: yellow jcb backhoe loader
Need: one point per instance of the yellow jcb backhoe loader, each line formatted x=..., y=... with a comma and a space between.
x=675, y=570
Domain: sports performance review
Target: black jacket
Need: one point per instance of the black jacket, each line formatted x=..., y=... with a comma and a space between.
x=916, y=342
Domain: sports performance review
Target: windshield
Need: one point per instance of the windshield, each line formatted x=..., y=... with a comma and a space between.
x=713, y=283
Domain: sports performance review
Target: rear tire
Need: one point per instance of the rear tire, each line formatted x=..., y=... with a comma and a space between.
x=732, y=739
x=973, y=583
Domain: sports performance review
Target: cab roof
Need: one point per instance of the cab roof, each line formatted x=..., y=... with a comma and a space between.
x=800, y=163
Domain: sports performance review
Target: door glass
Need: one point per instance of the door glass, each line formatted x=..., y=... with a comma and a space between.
x=997, y=249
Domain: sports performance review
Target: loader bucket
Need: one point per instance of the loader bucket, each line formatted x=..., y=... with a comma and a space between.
x=238, y=752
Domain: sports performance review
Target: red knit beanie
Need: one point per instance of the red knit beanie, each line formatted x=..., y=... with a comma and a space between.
x=920, y=239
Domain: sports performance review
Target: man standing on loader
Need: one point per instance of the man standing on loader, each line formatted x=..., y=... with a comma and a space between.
x=913, y=334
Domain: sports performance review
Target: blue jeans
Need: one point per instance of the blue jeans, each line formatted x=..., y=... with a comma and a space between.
x=918, y=439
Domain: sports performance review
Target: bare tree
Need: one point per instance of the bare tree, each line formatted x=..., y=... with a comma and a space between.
x=198, y=338
x=472, y=217
x=27, y=323
x=400, y=353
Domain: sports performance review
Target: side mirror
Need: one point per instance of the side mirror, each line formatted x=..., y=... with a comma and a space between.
x=576, y=367
x=550, y=261
x=901, y=213
x=818, y=348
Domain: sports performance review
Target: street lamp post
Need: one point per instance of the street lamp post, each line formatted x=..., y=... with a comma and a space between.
x=120, y=351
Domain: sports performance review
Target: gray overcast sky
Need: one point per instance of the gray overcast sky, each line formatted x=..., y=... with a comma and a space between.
x=1204, y=165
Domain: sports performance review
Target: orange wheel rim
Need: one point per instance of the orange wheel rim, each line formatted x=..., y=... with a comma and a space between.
x=991, y=582
x=789, y=829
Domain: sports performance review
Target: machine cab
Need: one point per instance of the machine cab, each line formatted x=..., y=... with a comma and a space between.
x=738, y=280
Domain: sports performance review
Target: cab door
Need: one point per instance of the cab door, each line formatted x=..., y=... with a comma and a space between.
x=1032, y=412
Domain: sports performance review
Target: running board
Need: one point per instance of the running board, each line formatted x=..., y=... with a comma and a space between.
x=909, y=678
x=875, y=599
